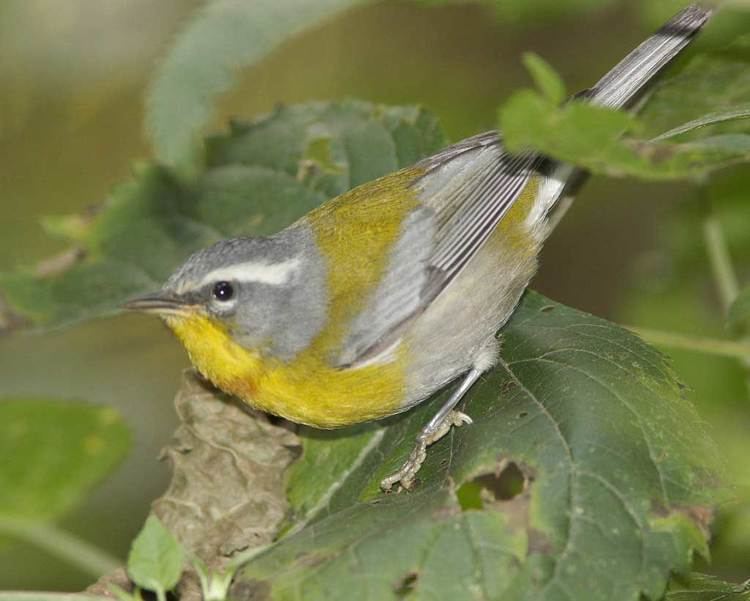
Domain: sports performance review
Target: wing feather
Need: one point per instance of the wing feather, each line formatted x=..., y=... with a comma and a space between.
x=465, y=191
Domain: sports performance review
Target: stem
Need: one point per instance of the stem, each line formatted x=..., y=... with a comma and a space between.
x=710, y=119
x=85, y=556
x=710, y=346
x=725, y=277
x=721, y=263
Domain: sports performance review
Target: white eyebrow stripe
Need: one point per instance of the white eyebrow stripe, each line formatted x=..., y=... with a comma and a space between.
x=252, y=271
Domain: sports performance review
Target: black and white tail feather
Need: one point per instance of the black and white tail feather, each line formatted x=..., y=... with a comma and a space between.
x=622, y=85
x=469, y=187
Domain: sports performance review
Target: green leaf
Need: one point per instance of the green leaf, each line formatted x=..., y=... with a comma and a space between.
x=706, y=106
x=595, y=138
x=618, y=481
x=702, y=587
x=739, y=313
x=671, y=295
x=222, y=37
x=259, y=178
x=156, y=558
x=545, y=77
x=52, y=453
x=715, y=81
x=741, y=112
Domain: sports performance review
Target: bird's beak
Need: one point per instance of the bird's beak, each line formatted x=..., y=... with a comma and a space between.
x=158, y=303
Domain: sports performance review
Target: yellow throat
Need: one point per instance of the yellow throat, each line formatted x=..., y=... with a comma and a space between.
x=355, y=232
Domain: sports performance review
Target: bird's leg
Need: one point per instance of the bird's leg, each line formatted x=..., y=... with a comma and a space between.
x=436, y=428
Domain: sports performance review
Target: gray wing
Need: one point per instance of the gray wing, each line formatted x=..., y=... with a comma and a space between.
x=468, y=188
x=398, y=297
x=465, y=191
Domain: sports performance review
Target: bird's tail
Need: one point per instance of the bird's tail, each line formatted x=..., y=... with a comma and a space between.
x=618, y=89
x=621, y=86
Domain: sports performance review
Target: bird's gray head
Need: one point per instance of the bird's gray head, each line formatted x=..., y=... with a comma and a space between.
x=269, y=293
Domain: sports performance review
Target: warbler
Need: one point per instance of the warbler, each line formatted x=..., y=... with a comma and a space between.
x=379, y=297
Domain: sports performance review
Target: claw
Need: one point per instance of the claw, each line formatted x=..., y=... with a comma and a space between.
x=438, y=426
x=459, y=418
x=405, y=476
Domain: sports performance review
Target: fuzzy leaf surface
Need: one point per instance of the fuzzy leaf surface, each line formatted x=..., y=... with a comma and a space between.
x=619, y=478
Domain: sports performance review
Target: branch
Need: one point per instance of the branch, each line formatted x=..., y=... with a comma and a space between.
x=227, y=492
x=710, y=346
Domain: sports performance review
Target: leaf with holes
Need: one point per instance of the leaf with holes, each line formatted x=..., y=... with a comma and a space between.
x=585, y=475
x=259, y=178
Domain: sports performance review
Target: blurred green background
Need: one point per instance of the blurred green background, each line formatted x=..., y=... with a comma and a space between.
x=73, y=79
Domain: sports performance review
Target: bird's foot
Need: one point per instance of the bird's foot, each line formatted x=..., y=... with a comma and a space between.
x=406, y=474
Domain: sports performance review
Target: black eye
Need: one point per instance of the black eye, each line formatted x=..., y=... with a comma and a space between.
x=223, y=291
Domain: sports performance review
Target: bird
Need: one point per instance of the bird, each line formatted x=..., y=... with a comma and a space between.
x=385, y=294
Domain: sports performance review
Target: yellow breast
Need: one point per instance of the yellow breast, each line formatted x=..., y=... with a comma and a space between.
x=307, y=390
x=354, y=233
